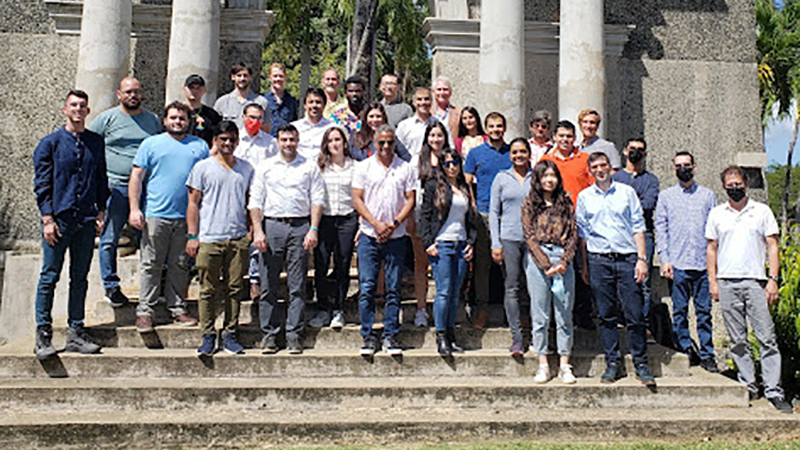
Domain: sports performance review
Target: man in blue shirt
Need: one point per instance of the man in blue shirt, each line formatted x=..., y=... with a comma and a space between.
x=483, y=163
x=680, y=223
x=71, y=188
x=164, y=161
x=645, y=184
x=611, y=230
x=282, y=106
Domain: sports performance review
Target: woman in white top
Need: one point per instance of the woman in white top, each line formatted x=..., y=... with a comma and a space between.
x=337, y=230
x=447, y=220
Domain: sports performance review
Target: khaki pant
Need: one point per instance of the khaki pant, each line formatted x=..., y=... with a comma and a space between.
x=222, y=267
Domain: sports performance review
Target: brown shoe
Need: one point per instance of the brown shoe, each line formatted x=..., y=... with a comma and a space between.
x=480, y=320
x=185, y=320
x=144, y=324
x=255, y=291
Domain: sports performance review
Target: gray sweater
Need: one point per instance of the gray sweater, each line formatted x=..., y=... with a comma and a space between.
x=505, y=205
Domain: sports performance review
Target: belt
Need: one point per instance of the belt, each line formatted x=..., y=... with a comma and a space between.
x=614, y=256
x=288, y=219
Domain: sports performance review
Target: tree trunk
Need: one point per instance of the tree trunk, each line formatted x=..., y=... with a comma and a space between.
x=362, y=42
x=305, y=67
x=788, y=180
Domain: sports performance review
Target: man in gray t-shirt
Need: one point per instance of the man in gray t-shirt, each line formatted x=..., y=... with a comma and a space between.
x=231, y=105
x=218, y=191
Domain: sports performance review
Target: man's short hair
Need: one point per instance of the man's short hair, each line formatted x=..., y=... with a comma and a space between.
x=542, y=115
x=317, y=91
x=286, y=128
x=240, y=66
x=597, y=155
x=566, y=124
x=226, y=126
x=276, y=65
x=391, y=74
x=252, y=106
x=733, y=170
x=684, y=153
x=494, y=115
x=385, y=128
x=179, y=106
x=355, y=79
x=419, y=89
x=77, y=93
x=331, y=69
x=589, y=112
x=638, y=139
x=442, y=79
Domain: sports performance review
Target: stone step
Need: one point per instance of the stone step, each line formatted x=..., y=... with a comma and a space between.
x=262, y=428
x=177, y=336
x=344, y=393
x=183, y=363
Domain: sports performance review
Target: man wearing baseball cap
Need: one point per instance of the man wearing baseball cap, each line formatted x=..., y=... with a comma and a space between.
x=203, y=117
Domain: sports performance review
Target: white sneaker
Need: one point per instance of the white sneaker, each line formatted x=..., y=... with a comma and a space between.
x=421, y=318
x=542, y=375
x=565, y=373
x=337, y=323
x=319, y=320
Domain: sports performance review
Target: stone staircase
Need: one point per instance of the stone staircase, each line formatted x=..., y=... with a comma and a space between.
x=152, y=391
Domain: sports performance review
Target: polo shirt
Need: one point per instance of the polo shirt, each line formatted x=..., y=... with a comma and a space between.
x=608, y=220
x=484, y=163
x=385, y=190
x=230, y=107
x=741, y=239
x=574, y=170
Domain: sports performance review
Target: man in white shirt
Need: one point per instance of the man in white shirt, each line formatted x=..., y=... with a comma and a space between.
x=287, y=194
x=254, y=147
x=411, y=131
x=741, y=233
x=540, y=127
x=312, y=126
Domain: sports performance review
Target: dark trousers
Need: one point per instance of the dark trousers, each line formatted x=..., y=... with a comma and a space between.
x=614, y=287
x=688, y=285
x=336, y=234
x=285, y=248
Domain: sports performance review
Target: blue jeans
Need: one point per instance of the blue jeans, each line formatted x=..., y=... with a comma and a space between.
x=116, y=217
x=613, y=283
x=449, y=268
x=686, y=285
x=543, y=301
x=649, y=245
x=78, y=237
x=370, y=255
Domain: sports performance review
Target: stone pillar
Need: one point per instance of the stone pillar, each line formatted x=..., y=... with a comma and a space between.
x=104, y=53
x=193, y=47
x=581, y=64
x=502, y=63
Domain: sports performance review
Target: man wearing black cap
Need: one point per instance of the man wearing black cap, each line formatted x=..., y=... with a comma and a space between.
x=203, y=117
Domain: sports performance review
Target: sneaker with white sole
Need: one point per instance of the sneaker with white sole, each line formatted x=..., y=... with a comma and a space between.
x=566, y=375
x=421, y=318
x=337, y=323
x=542, y=374
x=320, y=320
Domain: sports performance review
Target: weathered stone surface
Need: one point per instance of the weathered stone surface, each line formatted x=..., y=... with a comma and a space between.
x=25, y=16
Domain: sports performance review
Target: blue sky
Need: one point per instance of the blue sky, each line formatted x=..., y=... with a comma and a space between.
x=776, y=140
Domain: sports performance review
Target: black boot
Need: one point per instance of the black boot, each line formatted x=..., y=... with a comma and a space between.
x=441, y=344
x=44, y=345
x=451, y=341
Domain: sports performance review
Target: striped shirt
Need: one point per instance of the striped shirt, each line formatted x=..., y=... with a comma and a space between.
x=680, y=223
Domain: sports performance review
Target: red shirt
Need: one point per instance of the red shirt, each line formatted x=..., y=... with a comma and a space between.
x=574, y=171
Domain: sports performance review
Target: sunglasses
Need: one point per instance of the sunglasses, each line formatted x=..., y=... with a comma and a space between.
x=382, y=143
x=449, y=164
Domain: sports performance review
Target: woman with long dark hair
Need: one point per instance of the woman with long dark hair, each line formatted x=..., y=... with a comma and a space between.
x=448, y=233
x=434, y=142
x=470, y=131
x=548, y=222
x=337, y=230
x=362, y=144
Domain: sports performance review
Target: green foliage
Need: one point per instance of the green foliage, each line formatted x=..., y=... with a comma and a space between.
x=775, y=178
x=778, y=47
x=786, y=312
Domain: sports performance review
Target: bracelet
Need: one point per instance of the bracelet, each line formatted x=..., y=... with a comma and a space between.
x=315, y=229
x=773, y=278
x=191, y=237
x=644, y=260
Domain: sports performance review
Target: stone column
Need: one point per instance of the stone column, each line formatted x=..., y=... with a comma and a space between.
x=193, y=47
x=104, y=53
x=502, y=63
x=581, y=64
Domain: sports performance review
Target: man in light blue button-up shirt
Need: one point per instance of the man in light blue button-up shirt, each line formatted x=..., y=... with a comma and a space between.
x=611, y=227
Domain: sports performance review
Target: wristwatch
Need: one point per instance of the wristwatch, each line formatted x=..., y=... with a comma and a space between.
x=644, y=260
x=773, y=278
x=396, y=223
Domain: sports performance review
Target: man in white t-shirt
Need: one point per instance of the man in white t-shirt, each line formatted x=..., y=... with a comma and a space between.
x=312, y=126
x=741, y=234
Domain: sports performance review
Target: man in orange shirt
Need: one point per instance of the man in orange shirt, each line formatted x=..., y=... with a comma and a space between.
x=571, y=162
x=574, y=167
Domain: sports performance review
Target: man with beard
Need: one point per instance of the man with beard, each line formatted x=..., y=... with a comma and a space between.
x=347, y=116
x=231, y=105
x=645, y=184
x=312, y=126
x=203, y=118
x=123, y=129
x=164, y=162
x=333, y=101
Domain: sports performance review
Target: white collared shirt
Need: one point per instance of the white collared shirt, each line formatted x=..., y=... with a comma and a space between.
x=338, y=188
x=311, y=136
x=287, y=189
x=411, y=133
x=255, y=149
x=384, y=191
x=741, y=238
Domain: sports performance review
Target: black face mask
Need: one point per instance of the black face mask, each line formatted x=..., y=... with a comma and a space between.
x=736, y=194
x=685, y=174
x=635, y=155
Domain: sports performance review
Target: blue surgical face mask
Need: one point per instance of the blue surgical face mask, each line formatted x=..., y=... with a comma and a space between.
x=557, y=287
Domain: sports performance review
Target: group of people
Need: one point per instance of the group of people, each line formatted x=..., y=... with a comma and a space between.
x=246, y=190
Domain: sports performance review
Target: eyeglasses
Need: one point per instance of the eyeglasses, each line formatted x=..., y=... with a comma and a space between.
x=449, y=164
x=541, y=126
x=226, y=138
x=382, y=143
